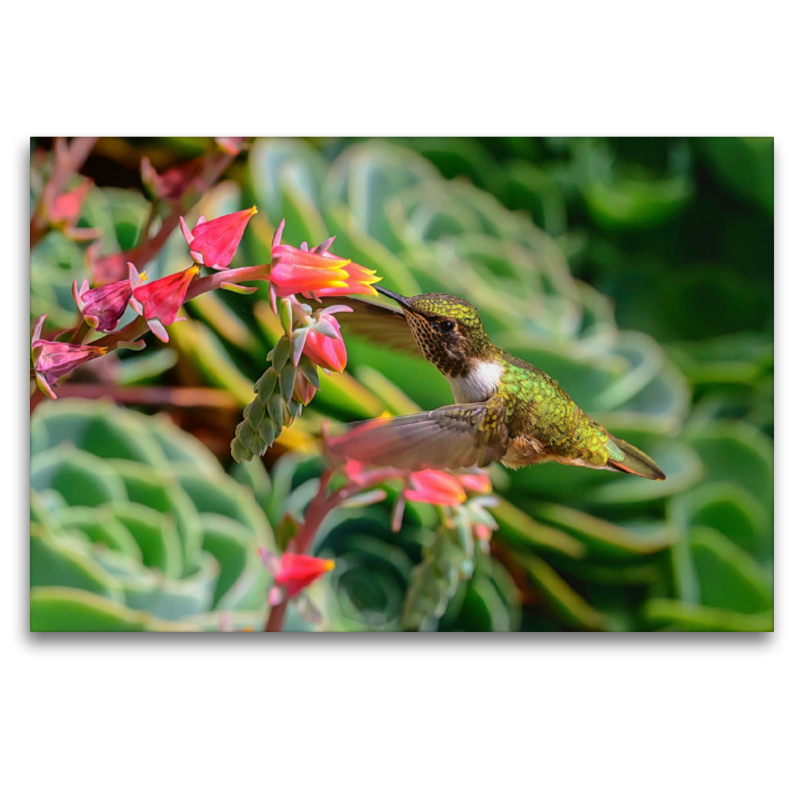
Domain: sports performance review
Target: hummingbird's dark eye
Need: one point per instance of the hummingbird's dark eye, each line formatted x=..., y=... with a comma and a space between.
x=447, y=326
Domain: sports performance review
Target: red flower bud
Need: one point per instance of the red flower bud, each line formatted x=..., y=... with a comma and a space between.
x=326, y=351
x=293, y=572
x=65, y=210
x=52, y=360
x=304, y=390
x=158, y=301
x=103, y=306
x=213, y=243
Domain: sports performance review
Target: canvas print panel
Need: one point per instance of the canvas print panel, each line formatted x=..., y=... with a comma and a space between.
x=512, y=384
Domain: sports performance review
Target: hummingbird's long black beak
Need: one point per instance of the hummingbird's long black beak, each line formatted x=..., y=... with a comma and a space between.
x=398, y=297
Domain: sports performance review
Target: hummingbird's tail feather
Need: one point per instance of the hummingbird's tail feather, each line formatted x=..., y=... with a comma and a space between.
x=624, y=457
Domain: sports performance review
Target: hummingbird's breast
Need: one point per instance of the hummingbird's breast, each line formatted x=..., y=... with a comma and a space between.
x=479, y=383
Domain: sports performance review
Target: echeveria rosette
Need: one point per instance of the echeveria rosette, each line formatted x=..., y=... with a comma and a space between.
x=316, y=272
x=448, y=557
x=52, y=360
x=158, y=301
x=212, y=243
x=103, y=307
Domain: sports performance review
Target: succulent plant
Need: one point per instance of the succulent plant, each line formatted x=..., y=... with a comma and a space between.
x=135, y=525
x=575, y=549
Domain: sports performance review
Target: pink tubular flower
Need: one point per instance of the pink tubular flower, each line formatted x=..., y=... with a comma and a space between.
x=65, y=210
x=476, y=482
x=316, y=271
x=51, y=360
x=293, y=572
x=103, y=307
x=158, y=302
x=213, y=243
x=328, y=352
x=437, y=488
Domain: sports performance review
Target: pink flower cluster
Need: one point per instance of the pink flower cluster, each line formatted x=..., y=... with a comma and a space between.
x=426, y=486
x=212, y=244
x=316, y=273
x=158, y=302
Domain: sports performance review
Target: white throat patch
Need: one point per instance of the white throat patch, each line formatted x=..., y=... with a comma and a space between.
x=479, y=385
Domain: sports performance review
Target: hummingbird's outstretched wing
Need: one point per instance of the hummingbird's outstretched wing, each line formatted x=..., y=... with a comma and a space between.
x=376, y=321
x=466, y=435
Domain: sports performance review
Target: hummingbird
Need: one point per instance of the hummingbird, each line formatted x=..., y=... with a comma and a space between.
x=505, y=409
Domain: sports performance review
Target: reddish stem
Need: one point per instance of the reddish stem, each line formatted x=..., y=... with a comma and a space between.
x=319, y=508
x=138, y=327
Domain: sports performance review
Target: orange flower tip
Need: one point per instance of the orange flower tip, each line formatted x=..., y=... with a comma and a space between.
x=329, y=565
x=253, y=210
x=193, y=270
x=143, y=277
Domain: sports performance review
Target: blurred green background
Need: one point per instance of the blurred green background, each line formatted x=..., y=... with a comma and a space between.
x=638, y=272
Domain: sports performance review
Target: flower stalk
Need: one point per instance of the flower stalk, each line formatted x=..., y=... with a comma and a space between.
x=464, y=522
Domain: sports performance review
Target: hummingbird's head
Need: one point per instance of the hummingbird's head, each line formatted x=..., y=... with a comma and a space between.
x=448, y=330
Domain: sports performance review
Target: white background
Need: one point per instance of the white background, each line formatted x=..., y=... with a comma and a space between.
x=546, y=716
